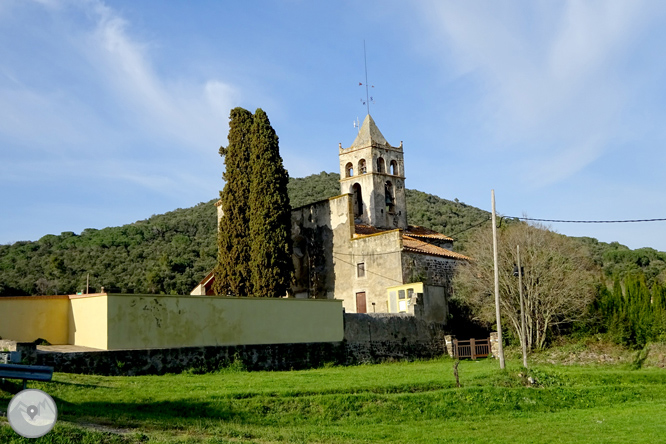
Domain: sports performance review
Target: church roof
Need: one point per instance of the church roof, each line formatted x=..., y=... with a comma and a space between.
x=416, y=231
x=411, y=240
x=412, y=231
x=369, y=135
x=414, y=245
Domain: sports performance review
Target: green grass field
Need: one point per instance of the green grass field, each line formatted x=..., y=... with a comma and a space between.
x=407, y=402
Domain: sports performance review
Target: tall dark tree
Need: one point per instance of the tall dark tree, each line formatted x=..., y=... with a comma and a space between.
x=270, y=213
x=232, y=275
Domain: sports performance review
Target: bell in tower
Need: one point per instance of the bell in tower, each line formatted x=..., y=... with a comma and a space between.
x=378, y=192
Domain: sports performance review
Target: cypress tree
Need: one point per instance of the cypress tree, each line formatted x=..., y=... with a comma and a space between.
x=232, y=274
x=270, y=213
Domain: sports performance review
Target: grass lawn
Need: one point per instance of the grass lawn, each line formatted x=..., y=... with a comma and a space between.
x=395, y=402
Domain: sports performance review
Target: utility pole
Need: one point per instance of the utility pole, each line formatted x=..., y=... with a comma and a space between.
x=497, y=300
x=523, y=333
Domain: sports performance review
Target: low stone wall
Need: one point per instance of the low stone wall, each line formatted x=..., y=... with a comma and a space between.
x=381, y=336
x=199, y=359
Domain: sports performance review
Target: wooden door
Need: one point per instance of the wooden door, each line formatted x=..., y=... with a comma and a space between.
x=360, y=303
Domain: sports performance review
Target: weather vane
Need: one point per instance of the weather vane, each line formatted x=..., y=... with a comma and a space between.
x=368, y=98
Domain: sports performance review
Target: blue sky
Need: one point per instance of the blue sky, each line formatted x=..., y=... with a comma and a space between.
x=111, y=112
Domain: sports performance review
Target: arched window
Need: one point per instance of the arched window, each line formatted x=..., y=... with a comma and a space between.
x=349, y=169
x=394, y=168
x=389, y=198
x=357, y=200
x=362, y=169
x=381, y=167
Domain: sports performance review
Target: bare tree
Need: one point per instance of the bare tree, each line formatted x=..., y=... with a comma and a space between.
x=558, y=279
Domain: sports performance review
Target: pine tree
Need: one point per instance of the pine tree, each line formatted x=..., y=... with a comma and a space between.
x=270, y=213
x=232, y=274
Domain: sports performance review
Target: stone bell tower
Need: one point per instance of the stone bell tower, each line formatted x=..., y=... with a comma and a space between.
x=372, y=171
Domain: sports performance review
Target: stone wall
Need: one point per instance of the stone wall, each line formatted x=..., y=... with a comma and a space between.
x=431, y=270
x=382, y=336
x=199, y=359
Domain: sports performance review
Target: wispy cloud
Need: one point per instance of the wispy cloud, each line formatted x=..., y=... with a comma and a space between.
x=92, y=89
x=549, y=71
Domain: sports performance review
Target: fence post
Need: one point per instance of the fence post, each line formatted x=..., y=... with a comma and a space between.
x=455, y=348
x=449, y=344
x=472, y=346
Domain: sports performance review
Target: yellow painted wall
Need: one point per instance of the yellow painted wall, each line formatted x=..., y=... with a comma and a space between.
x=25, y=319
x=88, y=325
x=145, y=321
x=394, y=301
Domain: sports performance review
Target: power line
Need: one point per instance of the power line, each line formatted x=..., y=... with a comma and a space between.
x=368, y=271
x=588, y=221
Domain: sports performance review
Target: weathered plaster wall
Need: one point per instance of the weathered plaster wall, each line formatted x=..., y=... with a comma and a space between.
x=88, y=321
x=111, y=322
x=144, y=321
x=312, y=238
x=367, y=339
x=381, y=254
x=25, y=319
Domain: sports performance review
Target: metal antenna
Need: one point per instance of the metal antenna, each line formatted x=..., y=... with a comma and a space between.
x=365, y=61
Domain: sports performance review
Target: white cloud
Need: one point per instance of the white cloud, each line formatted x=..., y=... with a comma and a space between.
x=192, y=112
x=92, y=90
x=551, y=71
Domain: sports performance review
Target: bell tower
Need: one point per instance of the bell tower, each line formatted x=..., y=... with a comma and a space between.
x=372, y=171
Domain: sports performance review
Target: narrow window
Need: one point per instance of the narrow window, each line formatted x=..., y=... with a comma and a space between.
x=358, y=200
x=349, y=170
x=361, y=167
x=401, y=294
x=389, y=199
x=380, y=165
x=360, y=269
x=394, y=168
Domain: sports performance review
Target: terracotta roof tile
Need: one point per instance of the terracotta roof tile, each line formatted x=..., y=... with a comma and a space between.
x=416, y=231
x=412, y=230
x=414, y=245
x=364, y=230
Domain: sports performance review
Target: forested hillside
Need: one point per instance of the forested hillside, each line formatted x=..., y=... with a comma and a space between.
x=172, y=252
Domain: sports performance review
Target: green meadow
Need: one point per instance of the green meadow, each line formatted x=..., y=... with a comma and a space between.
x=402, y=402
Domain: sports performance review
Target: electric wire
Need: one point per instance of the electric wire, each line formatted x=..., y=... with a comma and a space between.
x=588, y=221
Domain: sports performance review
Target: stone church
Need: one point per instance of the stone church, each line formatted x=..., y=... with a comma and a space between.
x=358, y=247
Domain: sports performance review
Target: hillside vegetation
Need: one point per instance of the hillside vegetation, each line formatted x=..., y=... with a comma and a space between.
x=170, y=253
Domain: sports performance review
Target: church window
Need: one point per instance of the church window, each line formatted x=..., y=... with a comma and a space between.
x=380, y=165
x=361, y=167
x=394, y=168
x=389, y=199
x=349, y=169
x=357, y=200
x=360, y=269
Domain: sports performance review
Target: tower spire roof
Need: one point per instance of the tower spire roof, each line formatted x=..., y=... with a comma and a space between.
x=369, y=134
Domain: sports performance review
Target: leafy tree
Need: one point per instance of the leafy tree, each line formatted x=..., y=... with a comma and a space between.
x=631, y=313
x=558, y=279
x=232, y=274
x=270, y=213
